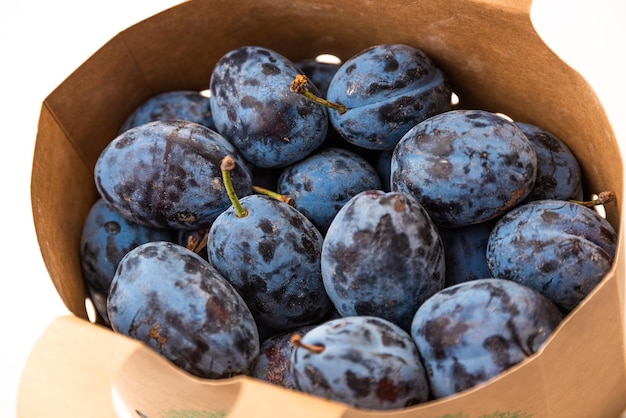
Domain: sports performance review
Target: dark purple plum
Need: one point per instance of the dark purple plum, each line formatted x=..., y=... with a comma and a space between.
x=106, y=237
x=363, y=361
x=177, y=304
x=273, y=364
x=382, y=256
x=166, y=174
x=172, y=105
x=469, y=333
x=253, y=108
x=464, y=166
x=559, y=248
x=272, y=257
x=387, y=89
x=559, y=174
x=466, y=252
x=324, y=181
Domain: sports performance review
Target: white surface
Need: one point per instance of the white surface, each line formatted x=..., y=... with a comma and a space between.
x=42, y=42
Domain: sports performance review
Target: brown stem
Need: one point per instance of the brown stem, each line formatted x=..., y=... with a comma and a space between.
x=296, y=341
x=299, y=86
x=603, y=198
x=282, y=197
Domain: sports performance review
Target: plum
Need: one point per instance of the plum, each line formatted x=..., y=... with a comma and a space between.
x=105, y=238
x=253, y=107
x=166, y=174
x=558, y=171
x=363, y=361
x=324, y=181
x=270, y=252
x=559, y=248
x=465, y=249
x=464, y=166
x=176, y=303
x=472, y=331
x=386, y=90
x=382, y=256
x=188, y=105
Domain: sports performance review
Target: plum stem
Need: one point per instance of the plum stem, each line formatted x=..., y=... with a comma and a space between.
x=299, y=86
x=196, y=245
x=603, y=197
x=228, y=164
x=296, y=341
x=274, y=195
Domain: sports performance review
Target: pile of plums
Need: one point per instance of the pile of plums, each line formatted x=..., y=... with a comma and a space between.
x=341, y=229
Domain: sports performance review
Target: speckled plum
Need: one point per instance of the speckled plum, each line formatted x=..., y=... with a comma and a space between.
x=105, y=238
x=324, y=181
x=559, y=174
x=470, y=332
x=273, y=364
x=382, y=256
x=172, y=105
x=387, y=89
x=466, y=252
x=166, y=174
x=366, y=362
x=177, y=304
x=254, y=108
x=272, y=257
x=464, y=166
x=559, y=248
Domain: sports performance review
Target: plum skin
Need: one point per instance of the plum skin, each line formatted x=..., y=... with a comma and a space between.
x=464, y=166
x=557, y=247
x=177, y=304
x=367, y=362
x=166, y=174
x=470, y=332
x=382, y=256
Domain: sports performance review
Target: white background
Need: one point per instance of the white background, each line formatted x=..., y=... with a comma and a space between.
x=42, y=42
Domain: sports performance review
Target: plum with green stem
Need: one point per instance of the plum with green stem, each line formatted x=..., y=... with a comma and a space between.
x=270, y=252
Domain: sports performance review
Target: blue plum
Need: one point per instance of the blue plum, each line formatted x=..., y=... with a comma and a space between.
x=464, y=166
x=363, y=361
x=166, y=174
x=324, y=181
x=559, y=174
x=172, y=105
x=466, y=252
x=559, y=248
x=253, y=108
x=272, y=257
x=470, y=332
x=387, y=89
x=382, y=256
x=105, y=238
x=176, y=303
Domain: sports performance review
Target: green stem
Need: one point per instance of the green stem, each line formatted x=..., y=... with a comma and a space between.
x=228, y=164
x=274, y=195
x=298, y=86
